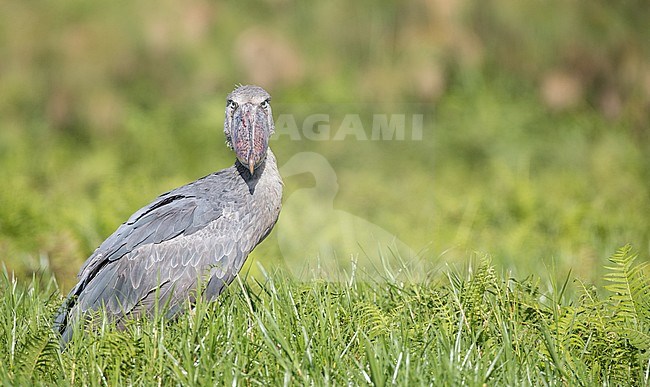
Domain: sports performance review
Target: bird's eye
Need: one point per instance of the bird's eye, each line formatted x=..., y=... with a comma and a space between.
x=265, y=104
x=232, y=104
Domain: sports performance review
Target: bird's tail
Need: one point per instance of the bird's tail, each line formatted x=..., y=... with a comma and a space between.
x=62, y=323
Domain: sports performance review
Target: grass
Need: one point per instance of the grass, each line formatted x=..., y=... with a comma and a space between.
x=464, y=327
x=104, y=107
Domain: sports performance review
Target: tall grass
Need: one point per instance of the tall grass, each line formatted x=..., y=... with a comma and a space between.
x=104, y=106
x=463, y=327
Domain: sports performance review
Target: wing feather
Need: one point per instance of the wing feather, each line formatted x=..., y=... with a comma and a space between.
x=166, y=218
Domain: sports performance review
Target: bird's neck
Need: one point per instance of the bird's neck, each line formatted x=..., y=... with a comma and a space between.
x=267, y=168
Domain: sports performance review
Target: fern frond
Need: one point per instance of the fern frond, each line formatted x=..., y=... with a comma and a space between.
x=38, y=353
x=372, y=319
x=473, y=296
x=629, y=302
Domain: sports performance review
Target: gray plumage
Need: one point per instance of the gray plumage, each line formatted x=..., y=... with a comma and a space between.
x=198, y=234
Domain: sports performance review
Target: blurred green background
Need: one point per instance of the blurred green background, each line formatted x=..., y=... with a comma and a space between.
x=535, y=131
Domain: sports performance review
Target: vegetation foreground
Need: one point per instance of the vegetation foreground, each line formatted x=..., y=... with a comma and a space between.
x=464, y=328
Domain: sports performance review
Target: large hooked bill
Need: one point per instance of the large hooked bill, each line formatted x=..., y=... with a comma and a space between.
x=250, y=135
